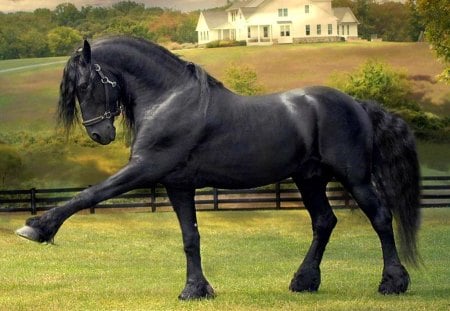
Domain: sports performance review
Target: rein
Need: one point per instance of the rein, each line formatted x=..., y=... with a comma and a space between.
x=108, y=113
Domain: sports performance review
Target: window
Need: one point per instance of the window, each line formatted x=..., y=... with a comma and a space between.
x=233, y=16
x=282, y=12
x=330, y=29
x=348, y=30
x=308, y=30
x=307, y=9
x=285, y=30
x=319, y=30
x=266, y=31
x=249, y=32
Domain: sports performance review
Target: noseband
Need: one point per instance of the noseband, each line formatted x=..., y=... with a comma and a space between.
x=108, y=112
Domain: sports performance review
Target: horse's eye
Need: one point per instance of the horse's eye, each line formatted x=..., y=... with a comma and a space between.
x=83, y=86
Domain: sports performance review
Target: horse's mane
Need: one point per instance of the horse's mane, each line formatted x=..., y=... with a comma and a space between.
x=67, y=114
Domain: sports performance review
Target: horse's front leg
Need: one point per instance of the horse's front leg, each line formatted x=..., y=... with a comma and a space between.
x=43, y=228
x=184, y=205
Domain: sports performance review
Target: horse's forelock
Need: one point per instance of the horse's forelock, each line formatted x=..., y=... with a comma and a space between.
x=67, y=110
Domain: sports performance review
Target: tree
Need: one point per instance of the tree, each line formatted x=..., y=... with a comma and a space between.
x=415, y=21
x=129, y=7
x=362, y=12
x=34, y=44
x=186, y=29
x=390, y=21
x=67, y=14
x=62, y=40
x=435, y=16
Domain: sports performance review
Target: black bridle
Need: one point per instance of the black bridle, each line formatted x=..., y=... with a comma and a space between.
x=109, y=113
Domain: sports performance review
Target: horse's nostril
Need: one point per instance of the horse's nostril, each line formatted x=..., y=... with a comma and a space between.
x=95, y=136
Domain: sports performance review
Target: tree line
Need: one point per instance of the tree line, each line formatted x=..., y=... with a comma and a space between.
x=55, y=32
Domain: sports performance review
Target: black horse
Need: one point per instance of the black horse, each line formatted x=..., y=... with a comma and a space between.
x=190, y=132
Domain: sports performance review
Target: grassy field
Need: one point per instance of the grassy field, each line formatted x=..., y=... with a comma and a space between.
x=134, y=261
x=28, y=97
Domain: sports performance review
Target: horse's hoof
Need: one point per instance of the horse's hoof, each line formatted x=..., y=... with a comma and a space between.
x=395, y=280
x=306, y=280
x=197, y=291
x=32, y=234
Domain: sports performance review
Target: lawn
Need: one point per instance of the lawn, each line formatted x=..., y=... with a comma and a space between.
x=133, y=260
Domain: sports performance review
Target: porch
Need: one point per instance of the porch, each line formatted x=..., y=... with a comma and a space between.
x=259, y=35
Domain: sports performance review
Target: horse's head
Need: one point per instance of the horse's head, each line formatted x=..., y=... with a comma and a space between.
x=97, y=92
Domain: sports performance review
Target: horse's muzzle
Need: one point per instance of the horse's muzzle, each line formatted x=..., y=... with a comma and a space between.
x=102, y=135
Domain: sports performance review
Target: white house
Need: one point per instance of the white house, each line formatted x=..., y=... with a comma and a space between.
x=278, y=21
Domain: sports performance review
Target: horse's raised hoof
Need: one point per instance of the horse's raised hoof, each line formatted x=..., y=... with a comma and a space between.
x=395, y=280
x=29, y=233
x=306, y=280
x=200, y=290
x=33, y=234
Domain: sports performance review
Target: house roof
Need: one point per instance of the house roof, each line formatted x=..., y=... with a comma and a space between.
x=248, y=11
x=215, y=19
x=345, y=15
x=245, y=4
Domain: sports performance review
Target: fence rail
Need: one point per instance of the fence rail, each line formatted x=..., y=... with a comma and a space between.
x=282, y=195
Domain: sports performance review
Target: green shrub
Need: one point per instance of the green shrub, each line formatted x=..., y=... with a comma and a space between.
x=225, y=43
x=377, y=81
x=426, y=125
x=243, y=80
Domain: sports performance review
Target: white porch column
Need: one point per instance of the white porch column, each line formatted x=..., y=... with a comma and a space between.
x=259, y=34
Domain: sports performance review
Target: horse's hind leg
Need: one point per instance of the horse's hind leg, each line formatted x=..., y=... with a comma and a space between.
x=395, y=278
x=307, y=278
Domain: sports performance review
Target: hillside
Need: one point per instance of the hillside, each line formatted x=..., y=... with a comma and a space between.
x=28, y=96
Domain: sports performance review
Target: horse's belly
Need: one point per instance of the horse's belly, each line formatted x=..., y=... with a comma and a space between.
x=247, y=166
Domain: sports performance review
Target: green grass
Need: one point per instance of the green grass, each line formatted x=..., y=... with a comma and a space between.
x=134, y=261
x=11, y=65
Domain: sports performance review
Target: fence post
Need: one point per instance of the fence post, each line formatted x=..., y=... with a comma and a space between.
x=153, y=198
x=346, y=198
x=92, y=208
x=216, y=199
x=278, y=195
x=33, y=201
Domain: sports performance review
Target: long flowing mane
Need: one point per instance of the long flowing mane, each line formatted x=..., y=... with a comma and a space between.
x=67, y=113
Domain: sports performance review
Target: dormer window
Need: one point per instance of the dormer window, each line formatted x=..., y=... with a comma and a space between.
x=233, y=16
x=282, y=12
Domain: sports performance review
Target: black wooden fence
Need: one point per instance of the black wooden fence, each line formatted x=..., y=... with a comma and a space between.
x=282, y=195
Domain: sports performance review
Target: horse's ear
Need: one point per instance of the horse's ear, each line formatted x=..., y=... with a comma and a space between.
x=192, y=68
x=87, y=52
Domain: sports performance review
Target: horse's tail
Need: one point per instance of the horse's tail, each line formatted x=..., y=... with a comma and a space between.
x=396, y=175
